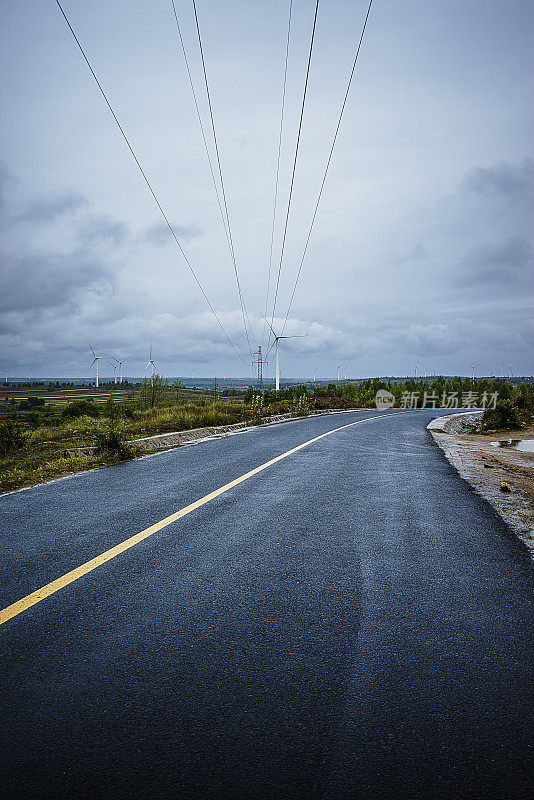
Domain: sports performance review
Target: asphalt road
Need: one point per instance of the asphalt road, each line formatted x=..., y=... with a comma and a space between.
x=352, y=622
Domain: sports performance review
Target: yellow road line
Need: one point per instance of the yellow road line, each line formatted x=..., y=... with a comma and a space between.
x=53, y=587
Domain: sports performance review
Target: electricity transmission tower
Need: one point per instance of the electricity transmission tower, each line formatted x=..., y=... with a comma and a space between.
x=260, y=362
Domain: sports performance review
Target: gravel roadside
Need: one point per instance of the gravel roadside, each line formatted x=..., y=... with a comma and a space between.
x=487, y=468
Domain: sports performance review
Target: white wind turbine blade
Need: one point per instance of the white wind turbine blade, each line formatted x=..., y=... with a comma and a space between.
x=270, y=326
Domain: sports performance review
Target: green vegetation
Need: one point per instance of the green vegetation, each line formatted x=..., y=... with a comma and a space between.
x=31, y=403
x=504, y=416
x=112, y=440
x=47, y=432
x=81, y=408
x=65, y=430
x=510, y=413
x=12, y=437
x=152, y=392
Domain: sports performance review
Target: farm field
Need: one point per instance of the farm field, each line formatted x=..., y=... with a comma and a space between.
x=60, y=396
x=56, y=398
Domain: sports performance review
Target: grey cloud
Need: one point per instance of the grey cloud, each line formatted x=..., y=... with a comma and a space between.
x=37, y=283
x=96, y=230
x=430, y=340
x=506, y=262
x=513, y=181
x=6, y=179
x=415, y=256
x=159, y=234
x=405, y=332
x=47, y=209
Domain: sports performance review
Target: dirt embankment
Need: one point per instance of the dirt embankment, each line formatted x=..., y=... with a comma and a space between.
x=487, y=468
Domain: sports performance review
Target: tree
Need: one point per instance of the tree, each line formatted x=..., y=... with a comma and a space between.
x=503, y=416
x=81, y=408
x=177, y=391
x=31, y=403
x=11, y=437
x=152, y=392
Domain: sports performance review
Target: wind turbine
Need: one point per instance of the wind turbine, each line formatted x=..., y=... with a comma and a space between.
x=114, y=371
x=120, y=363
x=276, y=360
x=473, y=372
x=96, y=359
x=152, y=366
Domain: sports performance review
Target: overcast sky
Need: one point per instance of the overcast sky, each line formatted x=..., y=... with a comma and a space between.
x=422, y=252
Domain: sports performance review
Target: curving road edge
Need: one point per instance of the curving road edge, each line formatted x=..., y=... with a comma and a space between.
x=443, y=430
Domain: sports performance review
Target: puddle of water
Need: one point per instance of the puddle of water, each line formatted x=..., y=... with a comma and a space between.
x=525, y=445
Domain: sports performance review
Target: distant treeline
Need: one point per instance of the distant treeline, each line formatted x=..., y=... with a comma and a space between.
x=362, y=393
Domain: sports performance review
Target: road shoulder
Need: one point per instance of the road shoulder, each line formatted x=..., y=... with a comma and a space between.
x=486, y=468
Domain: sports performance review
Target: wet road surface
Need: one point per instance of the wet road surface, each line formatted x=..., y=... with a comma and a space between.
x=352, y=622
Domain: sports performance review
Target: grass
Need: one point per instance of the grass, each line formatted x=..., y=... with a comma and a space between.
x=41, y=464
x=42, y=452
x=183, y=417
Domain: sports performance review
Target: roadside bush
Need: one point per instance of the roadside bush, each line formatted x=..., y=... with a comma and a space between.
x=152, y=392
x=300, y=407
x=81, y=408
x=114, y=410
x=502, y=417
x=524, y=400
x=11, y=437
x=257, y=408
x=323, y=403
x=111, y=439
x=280, y=407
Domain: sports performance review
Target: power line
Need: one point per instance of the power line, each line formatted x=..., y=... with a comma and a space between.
x=295, y=159
x=278, y=167
x=231, y=242
x=206, y=148
x=148, y=183
x=328, y=162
